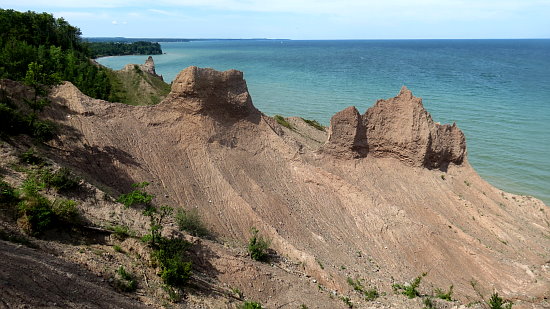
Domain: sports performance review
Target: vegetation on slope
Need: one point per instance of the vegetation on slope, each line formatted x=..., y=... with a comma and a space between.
x=136, y=87
x=53, y=49
x=53, y=46
x=102, y=49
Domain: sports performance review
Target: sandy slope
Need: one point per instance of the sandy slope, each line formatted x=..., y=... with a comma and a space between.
x=381, y=218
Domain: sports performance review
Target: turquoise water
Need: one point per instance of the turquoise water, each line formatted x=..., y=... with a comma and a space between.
x=497, y=91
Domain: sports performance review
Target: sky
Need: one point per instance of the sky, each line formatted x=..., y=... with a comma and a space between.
x=300, y=19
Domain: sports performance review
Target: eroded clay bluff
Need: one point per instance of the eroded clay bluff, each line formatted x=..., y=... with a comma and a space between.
x=400, y=128
x=378, y=215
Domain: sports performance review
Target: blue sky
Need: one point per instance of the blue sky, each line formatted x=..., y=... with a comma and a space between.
x=307, y=19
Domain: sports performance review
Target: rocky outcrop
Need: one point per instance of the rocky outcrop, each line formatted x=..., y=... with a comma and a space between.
x=346, y=135
x=400, y=128
x=149, y=67
x=207, y=91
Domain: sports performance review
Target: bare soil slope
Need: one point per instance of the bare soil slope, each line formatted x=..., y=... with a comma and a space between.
x=372, y=203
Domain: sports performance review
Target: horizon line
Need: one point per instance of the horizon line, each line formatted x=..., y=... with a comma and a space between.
x=286, y=39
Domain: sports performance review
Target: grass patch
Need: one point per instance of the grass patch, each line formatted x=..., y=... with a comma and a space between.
x=251, y=305
x=315, y=124
x=282, y=121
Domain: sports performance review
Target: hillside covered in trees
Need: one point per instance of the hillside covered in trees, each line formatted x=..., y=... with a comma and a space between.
x=53, y=48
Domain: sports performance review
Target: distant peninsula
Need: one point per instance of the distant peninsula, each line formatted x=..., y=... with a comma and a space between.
x=102, y=49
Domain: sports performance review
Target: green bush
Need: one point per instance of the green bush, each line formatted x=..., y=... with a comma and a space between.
x=137, y=196
x=35, y=214
x=30, y=157
x=497, y=302
x=169, y=255
x=8, y=195
x=43, y=130
x=409, y=290
x=428, y=303
x=257, y=246
x=31, y=185
x=439, y=293
x=251, y=305
x=347, y=301
x=121, y=232
x=370, y=294
x=65, y=210
x=124, y=281
x=190, y=221
x=63, y=180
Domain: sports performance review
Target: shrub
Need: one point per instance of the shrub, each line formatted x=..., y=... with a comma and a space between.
x=347, y=301
x=136, y=196
x=190, y=221
x=63, y=180
x=30, y=157
x=410, y=290
x=174, y=271
x=65, y=210
x=121, y=232
x=439, y=293
x=282, y=121
x=314, y=124
x=496, y=302
x=124, y=281
x=370, y=294
x=43, y=130
x=8, y=195
x=257, y=246
x=428, y=303
x=251, y=305
x=35, y=214
x=31, y=185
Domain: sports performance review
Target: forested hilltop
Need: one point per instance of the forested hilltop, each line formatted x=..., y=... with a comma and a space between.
x=102, y=49
x=51, y=50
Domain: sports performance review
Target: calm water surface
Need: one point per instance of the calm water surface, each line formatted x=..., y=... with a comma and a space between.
x=497, y=91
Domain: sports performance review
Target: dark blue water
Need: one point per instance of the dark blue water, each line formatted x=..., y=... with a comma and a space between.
x=497, y=91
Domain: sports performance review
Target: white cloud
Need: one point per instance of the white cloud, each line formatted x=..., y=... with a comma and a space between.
x=162, y=12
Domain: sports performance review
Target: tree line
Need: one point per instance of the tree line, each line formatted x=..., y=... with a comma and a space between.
x=102, y=49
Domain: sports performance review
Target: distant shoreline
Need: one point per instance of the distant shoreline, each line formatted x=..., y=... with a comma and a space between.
x=187, y=40
x=177, y=40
